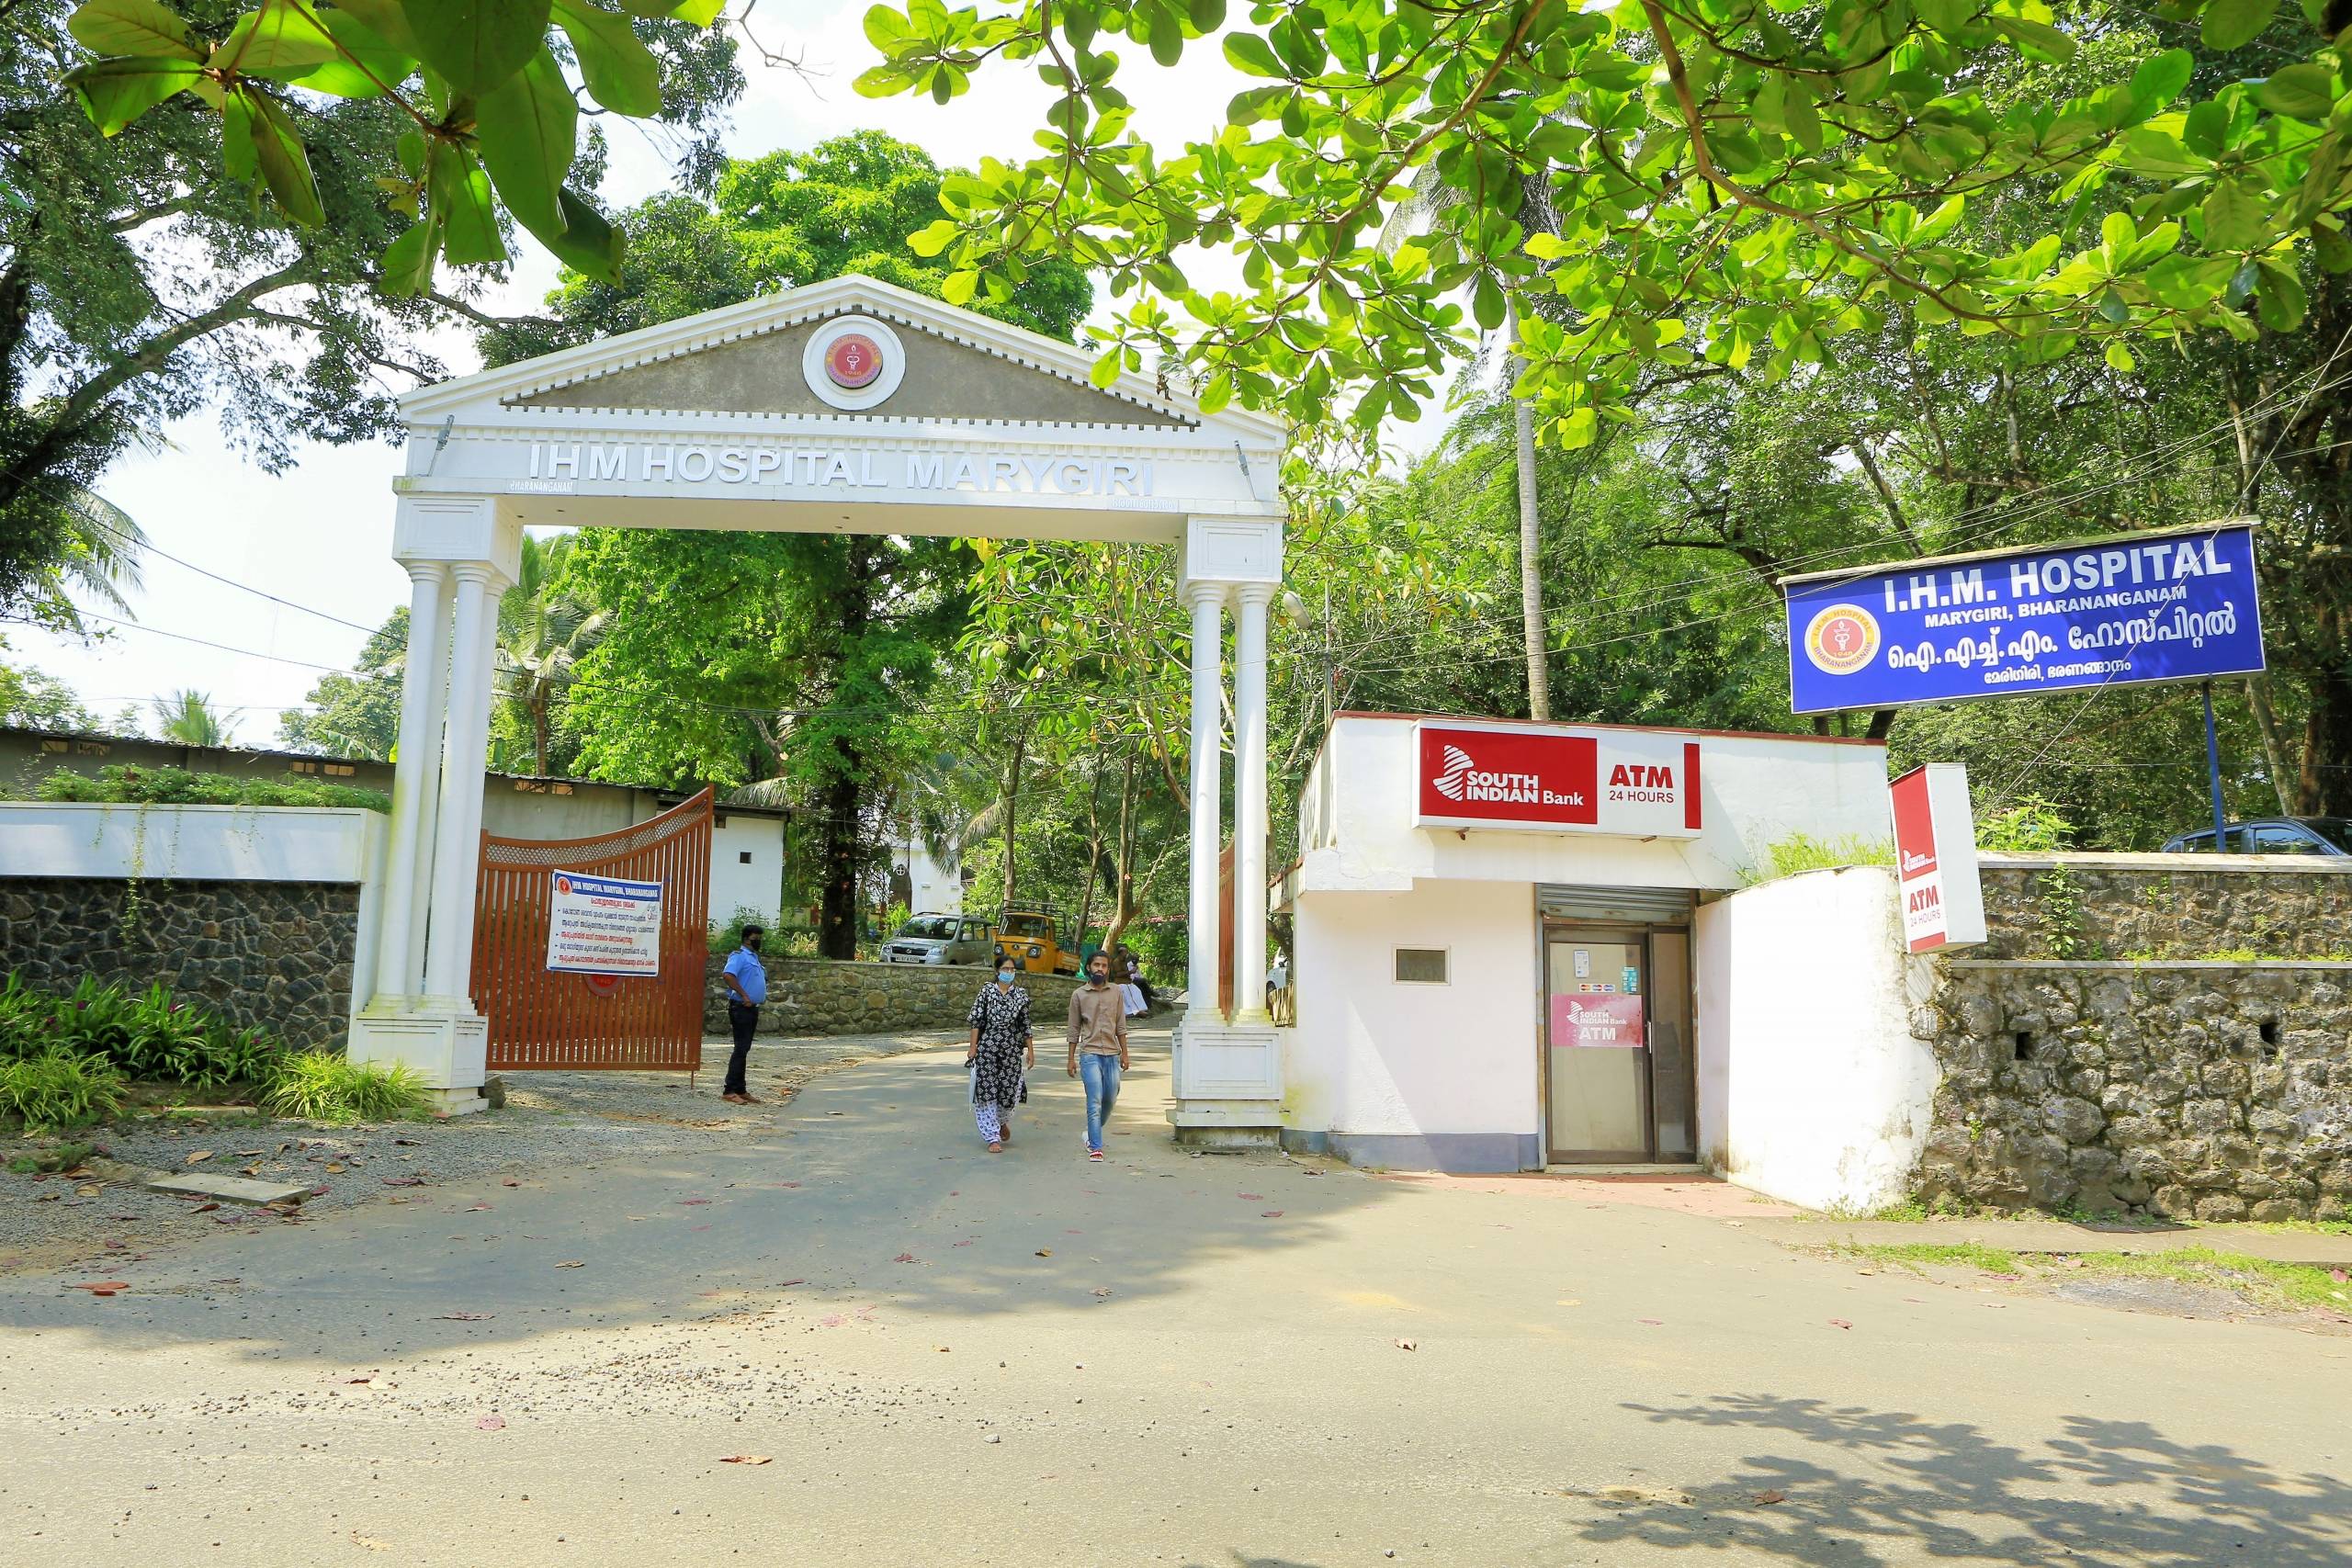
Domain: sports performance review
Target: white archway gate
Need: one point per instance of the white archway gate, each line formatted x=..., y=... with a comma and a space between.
x=851, y=406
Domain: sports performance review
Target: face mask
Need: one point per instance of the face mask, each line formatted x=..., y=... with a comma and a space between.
x=1004, y=977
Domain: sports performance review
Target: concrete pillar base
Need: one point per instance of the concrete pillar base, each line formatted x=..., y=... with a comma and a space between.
x=1226, y=1077
x=445, y=1044
x=1223, y=1137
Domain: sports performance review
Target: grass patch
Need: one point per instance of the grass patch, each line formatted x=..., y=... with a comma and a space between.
x=324, y=1085
x=2305, y=1228
x=2258, y=1280
x=1923, y=1254
x=1802, y=851
x=60, y=1157
x=58, y=1087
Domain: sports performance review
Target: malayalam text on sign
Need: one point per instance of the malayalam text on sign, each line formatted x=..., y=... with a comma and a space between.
x=604, y=925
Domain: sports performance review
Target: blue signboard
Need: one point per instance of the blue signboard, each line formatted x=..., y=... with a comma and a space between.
x=2171, y=606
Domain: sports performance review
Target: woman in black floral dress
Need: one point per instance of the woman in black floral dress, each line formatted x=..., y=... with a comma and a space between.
x=1001, y=1051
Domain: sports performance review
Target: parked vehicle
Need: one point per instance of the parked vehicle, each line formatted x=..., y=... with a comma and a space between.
x=2274, y=836
x=942, y=939
x=1031, y=939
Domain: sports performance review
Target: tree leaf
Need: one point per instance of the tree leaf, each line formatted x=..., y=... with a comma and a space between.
x=373, y=66
x=131, y=27
x=701, y=12
x=2039, y=40
x=2304, y=92
x=462, y=202
x=1249, y=53
x=284, y=167
x=279, y=38
x=589, y=243
x=385, y=19
x=525, y=131
x=478, y=45
x=237, y=156
x=2235, y=218
x=408, y=260
x=2159, y=80
x=621, y=73
x=116, y=91
x=2281, y=297
x=2230, y=23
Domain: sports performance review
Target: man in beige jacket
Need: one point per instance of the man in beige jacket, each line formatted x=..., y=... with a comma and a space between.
x=1098, y=1039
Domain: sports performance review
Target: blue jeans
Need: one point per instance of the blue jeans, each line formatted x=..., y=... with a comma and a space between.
x=1101, y=1076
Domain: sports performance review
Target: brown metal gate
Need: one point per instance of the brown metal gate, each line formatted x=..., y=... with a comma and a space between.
x=540, y=1018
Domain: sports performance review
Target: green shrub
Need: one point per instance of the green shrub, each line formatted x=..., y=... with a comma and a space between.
x=60, y=1086
x=95, y=1019
x=27, y=1019
x=149, y=1036
x=124, y=783
x=2033, y=826
x=321, y=1085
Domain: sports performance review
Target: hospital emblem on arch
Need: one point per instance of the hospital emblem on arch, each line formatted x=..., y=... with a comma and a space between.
x=853, y=363
x=1841, y=638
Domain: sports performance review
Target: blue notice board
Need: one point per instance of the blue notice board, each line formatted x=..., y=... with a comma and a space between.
x=2179, y=606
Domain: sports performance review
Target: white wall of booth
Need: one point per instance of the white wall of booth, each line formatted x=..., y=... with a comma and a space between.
x=1798, y=1053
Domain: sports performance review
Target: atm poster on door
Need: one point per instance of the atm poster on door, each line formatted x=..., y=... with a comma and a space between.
x=1597, y=1021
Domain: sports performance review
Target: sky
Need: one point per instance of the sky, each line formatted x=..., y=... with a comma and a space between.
x=319, y=536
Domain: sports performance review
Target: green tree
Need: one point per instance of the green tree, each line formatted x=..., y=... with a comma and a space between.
x=35, y=700
x=544, y=630
x=1788, y=175
x=188, y=719
x=793, y=661
x=145, y=275
x=358, y=714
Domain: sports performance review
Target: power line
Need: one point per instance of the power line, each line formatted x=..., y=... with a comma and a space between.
x=2144, y=464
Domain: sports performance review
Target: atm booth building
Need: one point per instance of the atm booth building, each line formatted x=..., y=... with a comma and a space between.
x=1504, y=956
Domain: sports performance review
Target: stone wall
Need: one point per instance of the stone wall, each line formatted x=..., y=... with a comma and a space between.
x=2139, y=906
x=2097, y=1055
x=276, y=954
x=820, y=995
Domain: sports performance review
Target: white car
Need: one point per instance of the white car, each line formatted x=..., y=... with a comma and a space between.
x=942, y=939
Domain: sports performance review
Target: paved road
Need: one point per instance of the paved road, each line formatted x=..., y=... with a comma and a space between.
x=1179, y=1359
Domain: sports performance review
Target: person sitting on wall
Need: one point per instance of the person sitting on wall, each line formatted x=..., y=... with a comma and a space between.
x=747, y=978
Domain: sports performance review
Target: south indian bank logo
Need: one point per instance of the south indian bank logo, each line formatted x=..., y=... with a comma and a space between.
x=1456, y=774
x=1841, y=638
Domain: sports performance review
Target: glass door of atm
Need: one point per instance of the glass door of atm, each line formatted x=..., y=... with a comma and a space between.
x=1596, y=1058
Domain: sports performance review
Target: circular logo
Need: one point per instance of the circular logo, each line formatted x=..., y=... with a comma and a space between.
x=852, y=361
x=601, y=984
x=563, y=884
x=1841, y=638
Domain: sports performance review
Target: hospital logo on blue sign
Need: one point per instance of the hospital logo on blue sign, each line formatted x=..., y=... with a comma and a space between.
x=1841, y=638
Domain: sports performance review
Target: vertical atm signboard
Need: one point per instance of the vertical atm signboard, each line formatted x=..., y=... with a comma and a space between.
x=1935, y=857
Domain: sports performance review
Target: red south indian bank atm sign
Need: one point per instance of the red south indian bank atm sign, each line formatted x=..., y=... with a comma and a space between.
x=1636, y=782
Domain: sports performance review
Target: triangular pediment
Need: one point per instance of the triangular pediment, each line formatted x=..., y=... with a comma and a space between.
x=752, y=360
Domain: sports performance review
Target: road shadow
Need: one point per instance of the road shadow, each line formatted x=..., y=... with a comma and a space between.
x=867, y=1200
x=2103, y=1492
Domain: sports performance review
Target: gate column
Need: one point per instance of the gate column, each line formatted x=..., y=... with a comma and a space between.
x=420, y=1014
x=1227, y=1081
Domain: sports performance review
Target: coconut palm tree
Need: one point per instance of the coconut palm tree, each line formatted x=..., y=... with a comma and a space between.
x=188, y=719
x=1430, y=196
x=544, y=629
